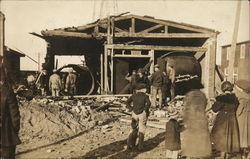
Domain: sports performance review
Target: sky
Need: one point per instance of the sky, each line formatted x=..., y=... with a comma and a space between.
x=25, y=16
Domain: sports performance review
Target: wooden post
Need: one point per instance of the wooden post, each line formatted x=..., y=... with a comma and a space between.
x=132, y=25
x=166, y=29
x=112, y=71
x=106, y=69
x=233, y=46
x=210, y=61
x=2, y=43
x=152, y=54
x=101, y=61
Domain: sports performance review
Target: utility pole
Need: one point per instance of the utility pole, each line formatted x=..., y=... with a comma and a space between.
x=233, y=45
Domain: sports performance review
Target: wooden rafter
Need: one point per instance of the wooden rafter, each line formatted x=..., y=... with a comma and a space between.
x=177, y=25
x=151, y=28
x=155, y=47
x=116, y=28
x=160, y=35
x=66, y=34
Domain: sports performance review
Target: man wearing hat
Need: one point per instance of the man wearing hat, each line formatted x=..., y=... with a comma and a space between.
x=55, y=84
x=156, y=81
x=70, y=85
x=140, y=112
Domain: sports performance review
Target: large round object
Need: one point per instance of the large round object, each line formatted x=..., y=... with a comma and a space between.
x=85, y=82
x=186, y=67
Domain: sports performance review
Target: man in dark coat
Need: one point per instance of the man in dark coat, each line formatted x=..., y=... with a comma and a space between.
x=140, y=113
x=10, y=121
x=156, y=81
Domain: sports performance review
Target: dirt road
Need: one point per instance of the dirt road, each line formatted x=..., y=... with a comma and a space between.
x=107, y=141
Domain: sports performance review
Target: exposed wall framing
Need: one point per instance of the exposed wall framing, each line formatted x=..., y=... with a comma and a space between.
x=132, y=33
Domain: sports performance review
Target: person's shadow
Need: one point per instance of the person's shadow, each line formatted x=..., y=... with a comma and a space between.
x=116, y=150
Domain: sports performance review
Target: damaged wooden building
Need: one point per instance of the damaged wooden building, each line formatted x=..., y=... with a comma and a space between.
x=116, y=45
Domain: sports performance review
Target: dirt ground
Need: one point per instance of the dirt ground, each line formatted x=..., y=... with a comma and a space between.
x=108, y=141
x=55, y=129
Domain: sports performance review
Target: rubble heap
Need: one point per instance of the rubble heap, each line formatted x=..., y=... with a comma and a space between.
x=54, y=120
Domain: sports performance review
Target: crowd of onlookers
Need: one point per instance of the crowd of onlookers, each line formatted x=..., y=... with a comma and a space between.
x=189, y=136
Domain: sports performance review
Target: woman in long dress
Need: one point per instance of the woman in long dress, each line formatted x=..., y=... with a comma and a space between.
x=225, y=132
x=196, y=141
x=243, y=115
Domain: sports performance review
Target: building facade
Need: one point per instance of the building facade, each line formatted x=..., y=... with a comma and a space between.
x=241, y=63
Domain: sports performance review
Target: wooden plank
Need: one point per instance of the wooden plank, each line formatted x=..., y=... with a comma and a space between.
x=175, y=24
x=102, y=75
x=162, y=35
x=151, y=28
x=112, y=71
x=132, y=56
x=155, y=47
x=132, y=25
x=123, y=17
x=210, y=60
x=106, y=69
x=81, y=28
x=104, y=26
x=166, y=29
x=66, y=34
x=152, y=57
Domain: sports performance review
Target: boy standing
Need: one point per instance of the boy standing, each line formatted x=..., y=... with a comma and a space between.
x=140, y=113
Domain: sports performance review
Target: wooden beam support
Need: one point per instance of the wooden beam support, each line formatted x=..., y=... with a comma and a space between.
x=210, y=62
x=132, y=56
x=104, y=26
x=126, y=34
x=132, y=25
x=160, y=35
x=106, y=87
x=174, y=24
x=102, y=75
x=66, y=34
x=166, y=29
x=152, y=57
x=155, y=47
x=112, y=71
x=151, y=28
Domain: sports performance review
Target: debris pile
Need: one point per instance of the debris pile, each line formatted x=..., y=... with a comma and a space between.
x=54, y=120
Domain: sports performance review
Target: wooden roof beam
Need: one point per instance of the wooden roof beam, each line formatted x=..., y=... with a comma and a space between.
x=66, y=34
x=151, y=28
x=116, y=28
x=162, y=35
x=177, y=25
x=155, y=47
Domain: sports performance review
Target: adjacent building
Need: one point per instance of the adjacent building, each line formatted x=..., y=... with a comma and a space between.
x=242, y=61
x=12, y=64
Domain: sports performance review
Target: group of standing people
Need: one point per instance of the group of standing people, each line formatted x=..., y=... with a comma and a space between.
x=56, y=83
x=230, y=134
x=159, y=84
x=190, y=136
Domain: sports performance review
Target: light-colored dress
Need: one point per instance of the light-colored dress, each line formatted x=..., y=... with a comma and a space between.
x=243, y=116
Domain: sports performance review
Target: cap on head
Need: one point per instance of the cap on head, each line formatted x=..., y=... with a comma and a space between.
x=227, y=86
